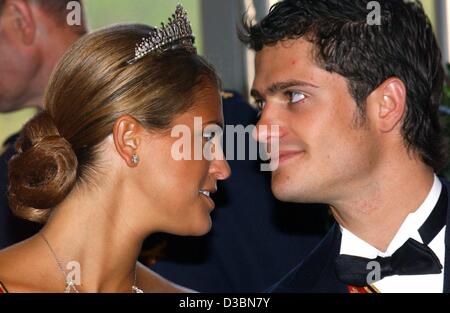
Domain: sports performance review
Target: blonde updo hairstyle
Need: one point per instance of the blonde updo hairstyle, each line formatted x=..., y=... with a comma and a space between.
x=90, y=89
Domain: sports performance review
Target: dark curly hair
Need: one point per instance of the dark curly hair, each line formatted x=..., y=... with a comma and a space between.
x=402, y=46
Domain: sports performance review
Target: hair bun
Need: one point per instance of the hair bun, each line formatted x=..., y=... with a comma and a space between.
x=43, y=171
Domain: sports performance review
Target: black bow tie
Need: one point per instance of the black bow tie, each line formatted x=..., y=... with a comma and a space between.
x=413, y=258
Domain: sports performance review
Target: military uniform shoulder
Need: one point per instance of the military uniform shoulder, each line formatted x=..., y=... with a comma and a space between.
x=7, y=148
x=228, y=95
x=231, y=96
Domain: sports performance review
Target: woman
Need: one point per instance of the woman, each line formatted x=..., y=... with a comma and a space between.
x=97, y=165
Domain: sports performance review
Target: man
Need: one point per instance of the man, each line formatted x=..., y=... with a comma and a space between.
x=33, y=36
x=356, y=101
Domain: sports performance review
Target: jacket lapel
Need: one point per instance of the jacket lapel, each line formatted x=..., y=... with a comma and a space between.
x=327, y=280
x=317, y=272
x=447, y=244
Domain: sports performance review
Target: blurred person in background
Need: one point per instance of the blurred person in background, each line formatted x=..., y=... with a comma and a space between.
x=34, y=34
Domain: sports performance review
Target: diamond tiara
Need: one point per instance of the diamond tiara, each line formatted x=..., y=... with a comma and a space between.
x=176, y=34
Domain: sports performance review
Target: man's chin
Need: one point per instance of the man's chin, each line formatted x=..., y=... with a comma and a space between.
x=294, y=193
x=284, y=194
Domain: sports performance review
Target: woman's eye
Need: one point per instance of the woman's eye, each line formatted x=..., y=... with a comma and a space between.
x=296, y=96
x=208, y=136
x=260, y=104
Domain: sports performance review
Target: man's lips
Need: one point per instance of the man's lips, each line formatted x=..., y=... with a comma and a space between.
x=285, y=155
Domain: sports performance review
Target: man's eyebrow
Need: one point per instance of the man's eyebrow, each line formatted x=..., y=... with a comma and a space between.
x=281, y=86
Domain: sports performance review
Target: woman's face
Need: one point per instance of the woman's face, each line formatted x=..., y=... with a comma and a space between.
x=174, y=174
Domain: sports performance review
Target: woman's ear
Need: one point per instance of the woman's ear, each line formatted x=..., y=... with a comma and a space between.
x=127, y=135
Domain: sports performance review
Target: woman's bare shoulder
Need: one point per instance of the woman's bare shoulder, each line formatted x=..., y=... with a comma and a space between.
x=149, y=281
x=9, y=261
x=8, y=265
x=19, y=267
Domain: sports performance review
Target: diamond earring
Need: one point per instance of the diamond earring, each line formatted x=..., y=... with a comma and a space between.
x=135, y=159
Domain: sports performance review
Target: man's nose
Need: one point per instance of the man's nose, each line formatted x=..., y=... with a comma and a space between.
x=268, y=126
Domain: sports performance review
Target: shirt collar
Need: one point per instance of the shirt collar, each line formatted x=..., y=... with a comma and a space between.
x=353, y=245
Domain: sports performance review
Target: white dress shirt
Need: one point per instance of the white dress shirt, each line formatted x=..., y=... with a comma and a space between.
x=432, y=283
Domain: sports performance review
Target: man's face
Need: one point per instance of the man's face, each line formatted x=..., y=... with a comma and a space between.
x=18, y=64
x=325, y=147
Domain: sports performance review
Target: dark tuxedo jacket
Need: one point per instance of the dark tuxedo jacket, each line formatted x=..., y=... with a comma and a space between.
x=316, y=274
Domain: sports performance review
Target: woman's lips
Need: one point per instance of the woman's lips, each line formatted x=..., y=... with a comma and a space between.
x=206, y=194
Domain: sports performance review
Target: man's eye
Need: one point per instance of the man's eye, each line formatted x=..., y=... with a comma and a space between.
x=296, y=96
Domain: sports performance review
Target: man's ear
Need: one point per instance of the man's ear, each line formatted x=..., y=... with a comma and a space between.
x=127, y=133
x=20, y=20
x=387, y=104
